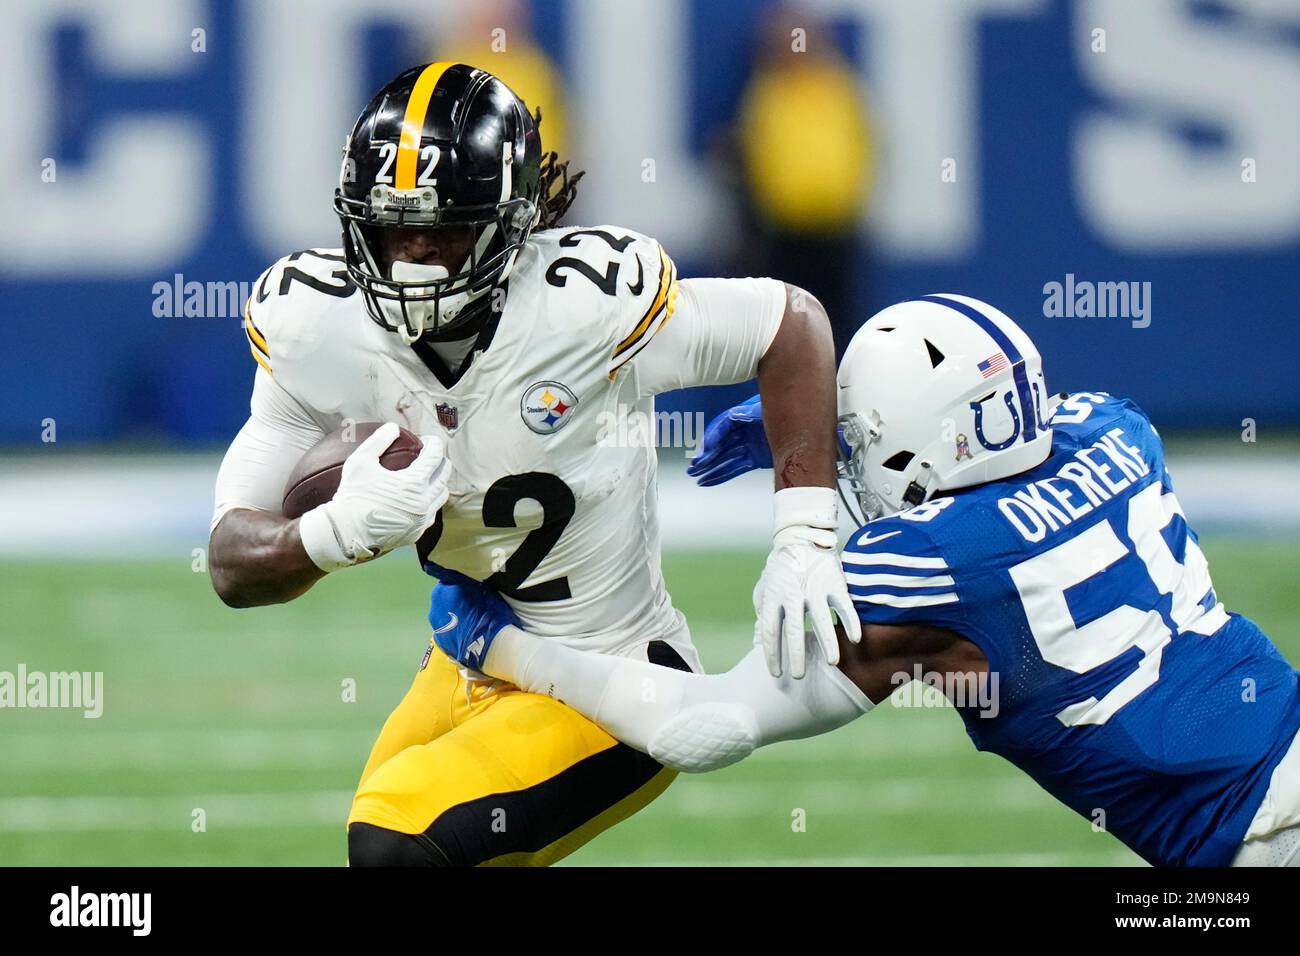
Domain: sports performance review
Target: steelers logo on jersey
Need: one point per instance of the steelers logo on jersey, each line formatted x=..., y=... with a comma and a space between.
x=547, y=406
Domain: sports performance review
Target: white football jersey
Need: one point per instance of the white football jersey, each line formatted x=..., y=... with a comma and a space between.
x=546, y=504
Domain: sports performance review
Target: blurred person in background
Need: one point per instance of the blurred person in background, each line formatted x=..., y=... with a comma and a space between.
x=497, y=35
x=805, y=152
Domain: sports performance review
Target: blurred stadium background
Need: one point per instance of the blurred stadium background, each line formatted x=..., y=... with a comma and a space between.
x=866, y=149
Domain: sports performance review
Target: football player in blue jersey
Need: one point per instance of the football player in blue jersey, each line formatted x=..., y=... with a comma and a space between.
x=1030, y=550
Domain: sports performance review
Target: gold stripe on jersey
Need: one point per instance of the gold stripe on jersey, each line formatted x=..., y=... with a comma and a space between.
x=408, y=147
x=255, y=335
x=261, y=361
x=664, y=315
x=661, y=310
x=667, y=276
x=256, y=340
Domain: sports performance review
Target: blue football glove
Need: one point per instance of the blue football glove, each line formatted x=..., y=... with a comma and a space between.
x=734, y=443
x=466, y=617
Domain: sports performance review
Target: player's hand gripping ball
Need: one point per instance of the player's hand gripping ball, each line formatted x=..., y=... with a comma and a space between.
x=366, y=490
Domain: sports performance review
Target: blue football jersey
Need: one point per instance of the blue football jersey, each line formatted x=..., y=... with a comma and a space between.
x=1122, y=685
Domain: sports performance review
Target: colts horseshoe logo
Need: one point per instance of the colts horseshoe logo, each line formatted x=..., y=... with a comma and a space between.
x=978, y=409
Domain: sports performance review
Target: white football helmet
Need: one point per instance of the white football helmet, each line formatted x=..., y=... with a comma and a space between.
x=938, y=393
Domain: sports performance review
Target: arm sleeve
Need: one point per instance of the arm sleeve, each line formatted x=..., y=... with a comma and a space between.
x=716, y=335
x=258, y=463
x=690, y=722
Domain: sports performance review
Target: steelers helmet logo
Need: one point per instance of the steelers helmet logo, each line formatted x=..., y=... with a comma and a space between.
x=547, y=406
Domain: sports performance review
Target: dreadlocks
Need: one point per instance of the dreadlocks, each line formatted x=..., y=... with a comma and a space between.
x=558, y=188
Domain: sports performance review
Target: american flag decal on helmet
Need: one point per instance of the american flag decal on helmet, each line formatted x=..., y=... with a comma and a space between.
x=997, y=362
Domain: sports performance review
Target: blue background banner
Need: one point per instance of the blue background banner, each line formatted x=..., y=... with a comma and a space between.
x=1179, y=168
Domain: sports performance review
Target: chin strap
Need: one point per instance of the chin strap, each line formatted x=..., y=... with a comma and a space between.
x=917, y=491
x=405, y=333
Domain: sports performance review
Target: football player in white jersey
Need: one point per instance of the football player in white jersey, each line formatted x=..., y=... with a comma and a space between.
x=458, y=310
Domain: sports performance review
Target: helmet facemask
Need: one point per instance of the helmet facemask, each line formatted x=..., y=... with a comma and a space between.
x=851, y=454
x=862, y=436
x=416, y=300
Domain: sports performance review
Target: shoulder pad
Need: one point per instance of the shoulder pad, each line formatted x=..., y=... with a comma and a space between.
x=617, y=277
x=287, y=298
x=1083, y=416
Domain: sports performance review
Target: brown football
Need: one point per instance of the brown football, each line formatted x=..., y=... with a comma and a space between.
x=316, y=477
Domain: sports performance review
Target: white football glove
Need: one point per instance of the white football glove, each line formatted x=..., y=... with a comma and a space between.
x=376, y=510
x=803, y=573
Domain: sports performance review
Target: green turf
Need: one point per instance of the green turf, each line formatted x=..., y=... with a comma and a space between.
x=241, y=714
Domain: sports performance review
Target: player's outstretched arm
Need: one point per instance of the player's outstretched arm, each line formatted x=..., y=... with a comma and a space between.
x=692, y=722
x=700, y=722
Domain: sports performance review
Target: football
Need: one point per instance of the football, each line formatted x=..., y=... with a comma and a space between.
x=316, y=477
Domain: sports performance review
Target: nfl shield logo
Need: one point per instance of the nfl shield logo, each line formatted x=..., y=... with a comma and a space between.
x=446, y=415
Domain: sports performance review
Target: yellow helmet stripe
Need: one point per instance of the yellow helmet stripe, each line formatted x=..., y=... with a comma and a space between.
x=408, y=147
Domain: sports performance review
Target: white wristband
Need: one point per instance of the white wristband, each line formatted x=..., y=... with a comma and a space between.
x=808, y=506
x=321, y=541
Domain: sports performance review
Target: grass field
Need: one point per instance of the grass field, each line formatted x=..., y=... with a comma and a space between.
x=241, y=714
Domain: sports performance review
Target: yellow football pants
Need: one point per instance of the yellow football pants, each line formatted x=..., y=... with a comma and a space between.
x=500, y=777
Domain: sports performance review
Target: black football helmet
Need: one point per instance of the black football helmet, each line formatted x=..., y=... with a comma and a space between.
x=443, y=146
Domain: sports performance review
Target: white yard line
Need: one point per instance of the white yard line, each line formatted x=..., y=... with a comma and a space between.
x=702, y=800
x=897, y=796
x=75, y=751
x=174, y=812
x=105, y=746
